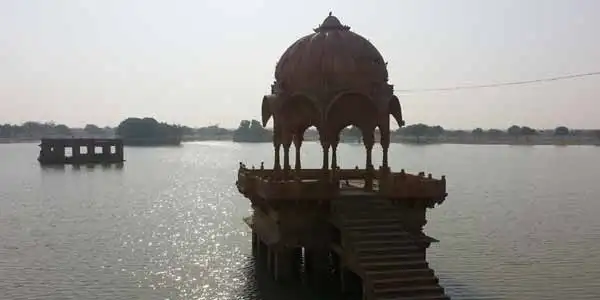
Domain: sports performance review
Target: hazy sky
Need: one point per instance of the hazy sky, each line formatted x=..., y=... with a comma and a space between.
x=208, y=62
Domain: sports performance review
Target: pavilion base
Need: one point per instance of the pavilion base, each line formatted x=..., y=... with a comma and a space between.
x=363, y=251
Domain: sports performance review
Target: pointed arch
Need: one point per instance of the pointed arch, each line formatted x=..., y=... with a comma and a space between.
x=395, y=109
x=307, y=96
x=351, y=108
x=296, y=114
x=299, y=112
x=267, y=108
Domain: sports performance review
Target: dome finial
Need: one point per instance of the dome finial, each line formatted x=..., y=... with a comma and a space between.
x=331, y=23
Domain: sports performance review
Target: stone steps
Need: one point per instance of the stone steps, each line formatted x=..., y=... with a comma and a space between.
x=365, y=221
x=434, y=290
x=392, y=232
x=391, y=259
x=375, y=275
x=421, y=297
x=387, y=257
x=383, y=243
x=405, y=281
x=395, y=265
x=369, y=252
x=375, y=228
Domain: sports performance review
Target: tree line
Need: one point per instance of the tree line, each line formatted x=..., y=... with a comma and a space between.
x=132, y=128
x=252, y=130
x=36, y=130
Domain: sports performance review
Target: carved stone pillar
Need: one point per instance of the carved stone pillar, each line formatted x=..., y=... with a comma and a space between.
x=255, y=245
x=283, y=268
x=286, y=157
x=270, y=260
x=296, y=258
x=60, y=151
x=106, y=150
x=76, y=150
x=119, y=151
x=260, y=258
x=287, y=143
x=334, y=157
x=317, y=261
x=369, y=141
x=276, y=147
x=325, y=147
x=91, y=149
x=277, y=164
x=298, y=138
x=385, y=145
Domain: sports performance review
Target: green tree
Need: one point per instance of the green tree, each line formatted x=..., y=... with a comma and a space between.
x=495, y=132
x=35, y=129
x=561, y=131
x=514, y=131
x=256, y=126
x=528, y=132
x=212, y=131
x=148, y=131
x=351, y=133
x=416, y=130
x=244, y=125
x=435, y=131
x=251, y=131
x=92, y=129
x=477, y=133
x=62, y=129
x=8, y=131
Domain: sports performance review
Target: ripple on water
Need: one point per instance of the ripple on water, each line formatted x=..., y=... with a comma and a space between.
x=169, y=224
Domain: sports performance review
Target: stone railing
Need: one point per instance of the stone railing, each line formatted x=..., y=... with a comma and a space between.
x=408, y=186
x=320, y=184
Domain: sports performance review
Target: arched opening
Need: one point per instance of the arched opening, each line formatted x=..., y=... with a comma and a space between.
x=350, y=151
x=351, y=109
x=303, y=157
x=297, y=114
x=351, y=135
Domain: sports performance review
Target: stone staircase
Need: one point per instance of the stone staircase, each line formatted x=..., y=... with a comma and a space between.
x=390, y=260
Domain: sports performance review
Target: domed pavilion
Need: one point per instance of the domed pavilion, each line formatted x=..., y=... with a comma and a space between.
x=330, y=79
x=365, y=225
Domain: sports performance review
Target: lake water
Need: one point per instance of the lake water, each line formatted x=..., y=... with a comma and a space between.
x=520, y=222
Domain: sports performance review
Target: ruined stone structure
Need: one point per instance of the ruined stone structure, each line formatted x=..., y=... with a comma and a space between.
x=364, y=226
x=80, y=151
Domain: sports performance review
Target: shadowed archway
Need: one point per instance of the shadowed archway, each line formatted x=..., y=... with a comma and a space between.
x=350, y=108
x=297, y=113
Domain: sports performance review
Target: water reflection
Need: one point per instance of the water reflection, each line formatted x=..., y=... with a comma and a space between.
x=519, y=223
x=80, y=167
x=53, y=168
x=466, y=291
x=259, y=284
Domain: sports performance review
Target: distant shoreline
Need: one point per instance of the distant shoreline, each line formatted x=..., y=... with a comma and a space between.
x=443, y=140
x=399, y=140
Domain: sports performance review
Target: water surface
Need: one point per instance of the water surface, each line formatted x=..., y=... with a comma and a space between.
x=520, y=222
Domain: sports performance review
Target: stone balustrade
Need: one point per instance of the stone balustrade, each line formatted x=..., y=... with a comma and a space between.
x=318, y=184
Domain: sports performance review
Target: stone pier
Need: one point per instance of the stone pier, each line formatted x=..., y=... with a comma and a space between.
x=54, y=151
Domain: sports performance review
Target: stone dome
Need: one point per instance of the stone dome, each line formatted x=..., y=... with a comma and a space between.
x=331, y=58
